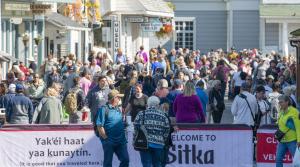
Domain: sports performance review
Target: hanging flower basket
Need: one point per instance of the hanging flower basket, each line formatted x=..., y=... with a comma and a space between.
x=165, y=31
x=38, y=39
x=25, y=38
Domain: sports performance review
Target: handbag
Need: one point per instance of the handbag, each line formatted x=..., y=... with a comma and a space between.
x=140, y=142
x=296, y=159
x=278, y=135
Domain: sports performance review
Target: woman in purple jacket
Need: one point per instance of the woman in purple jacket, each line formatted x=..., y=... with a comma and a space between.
x=187, y=106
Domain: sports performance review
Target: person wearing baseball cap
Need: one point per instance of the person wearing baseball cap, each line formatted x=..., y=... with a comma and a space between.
x=110, y=126
x=20, y=108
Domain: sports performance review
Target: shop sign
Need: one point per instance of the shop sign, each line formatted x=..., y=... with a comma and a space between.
x=39, y=8
x=17, y=6
x=151, y=27
x=16, y=20
x=136, y=19
x=116, y=33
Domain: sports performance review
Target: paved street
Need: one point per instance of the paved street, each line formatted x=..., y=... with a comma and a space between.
x=227, y=117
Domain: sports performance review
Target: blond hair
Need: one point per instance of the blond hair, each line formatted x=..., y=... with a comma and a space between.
x=189, y=88
x=51, y=92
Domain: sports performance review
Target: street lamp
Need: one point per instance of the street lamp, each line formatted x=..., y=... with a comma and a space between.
x=295, y=42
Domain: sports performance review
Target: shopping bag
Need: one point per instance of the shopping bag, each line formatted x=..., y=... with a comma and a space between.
x=296, y=159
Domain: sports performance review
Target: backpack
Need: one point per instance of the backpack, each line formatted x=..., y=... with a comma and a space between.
x=140, y=140
x=95, y=120
x=274, y=107
x=71, y=102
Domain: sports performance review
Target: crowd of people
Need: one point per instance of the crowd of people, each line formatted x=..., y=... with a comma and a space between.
x=182, y=86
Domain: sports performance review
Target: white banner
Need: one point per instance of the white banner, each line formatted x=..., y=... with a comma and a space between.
x=212, y=148
x=80, y=148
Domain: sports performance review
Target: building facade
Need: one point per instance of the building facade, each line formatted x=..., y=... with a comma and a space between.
x=278, y=18
x=132, y=23
x=33, y=29
x=211, y=24
x=64, y=36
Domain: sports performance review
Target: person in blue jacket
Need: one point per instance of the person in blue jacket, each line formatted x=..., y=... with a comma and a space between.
x=20, y=108
x=202, y=95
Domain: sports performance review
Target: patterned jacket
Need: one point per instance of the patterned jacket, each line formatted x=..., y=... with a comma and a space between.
x=156, y=123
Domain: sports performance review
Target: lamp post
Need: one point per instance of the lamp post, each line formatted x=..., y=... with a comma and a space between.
x=295, y=42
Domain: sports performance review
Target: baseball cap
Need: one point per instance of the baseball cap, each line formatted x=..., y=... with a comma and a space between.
x=114, y=93
x=270, y=77
x=19, y=87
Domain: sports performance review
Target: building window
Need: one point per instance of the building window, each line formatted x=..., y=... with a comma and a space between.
x=185, y=33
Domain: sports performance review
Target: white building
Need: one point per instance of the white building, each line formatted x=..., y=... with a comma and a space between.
x=132, y=23
x=64, y=36
x=278, y=18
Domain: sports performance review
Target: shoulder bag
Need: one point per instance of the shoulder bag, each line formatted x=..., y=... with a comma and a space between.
x=140, y=142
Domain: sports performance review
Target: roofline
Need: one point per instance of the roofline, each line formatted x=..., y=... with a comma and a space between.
x=140, y=12
x=69, y=27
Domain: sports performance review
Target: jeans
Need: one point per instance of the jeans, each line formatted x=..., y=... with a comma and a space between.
x=165, y=158
x=110, y=148
x=153, y=157
x=281, y=150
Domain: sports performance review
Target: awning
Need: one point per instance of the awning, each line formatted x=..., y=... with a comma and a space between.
x=154, y=8
x=286, y=11
x=6, y=57
x=64, y=22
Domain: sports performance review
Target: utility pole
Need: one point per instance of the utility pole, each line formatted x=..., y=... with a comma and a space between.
x=295, y=42
x=1, y=27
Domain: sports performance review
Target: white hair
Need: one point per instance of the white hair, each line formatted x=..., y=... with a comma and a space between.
x=153, y=101
x=287, y=91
